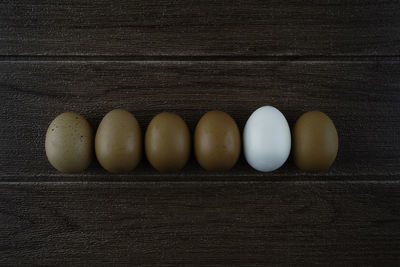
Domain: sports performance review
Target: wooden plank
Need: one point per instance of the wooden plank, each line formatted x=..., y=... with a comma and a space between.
x=201, y=223
x=361, y=97
x=200, y=28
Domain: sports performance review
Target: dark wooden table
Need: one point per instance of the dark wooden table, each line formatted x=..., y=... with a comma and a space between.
x=338, y=56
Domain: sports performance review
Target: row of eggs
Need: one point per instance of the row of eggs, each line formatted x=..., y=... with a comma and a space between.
x=267, y=141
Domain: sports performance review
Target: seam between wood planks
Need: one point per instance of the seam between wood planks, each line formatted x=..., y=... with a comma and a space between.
x=198, y=178
x=305, y=182
x=161, y=58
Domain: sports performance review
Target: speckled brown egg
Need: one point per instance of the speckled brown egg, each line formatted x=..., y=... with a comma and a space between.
x=167, y=142
x=69, y=143
x=315, y=142
x=217, y=141
x=118, y=142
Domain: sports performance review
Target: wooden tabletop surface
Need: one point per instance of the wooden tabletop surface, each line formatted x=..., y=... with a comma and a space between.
x=189, y=57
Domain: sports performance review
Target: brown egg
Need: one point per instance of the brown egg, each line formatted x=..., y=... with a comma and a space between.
x=69, y=143
x=217, y=141
x=118, y=142
x=167, y=142
x=315, y=142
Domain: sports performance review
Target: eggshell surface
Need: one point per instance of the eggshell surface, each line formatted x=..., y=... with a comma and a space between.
x=316, y=142
x=69, y=143
x=167, y=142
x=118, y=142
x=217, y=141
x=266, y=139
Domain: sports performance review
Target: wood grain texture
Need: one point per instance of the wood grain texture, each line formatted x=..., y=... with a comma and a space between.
x=200, y=224
x=200, y=28
x=362, y=98
x=188, y=57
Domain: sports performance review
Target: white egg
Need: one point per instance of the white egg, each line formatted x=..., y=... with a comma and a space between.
x=266, y=139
